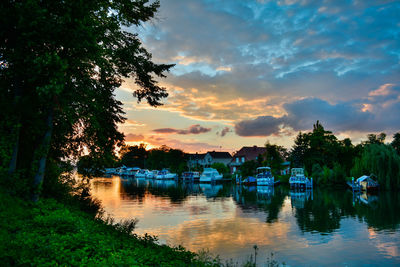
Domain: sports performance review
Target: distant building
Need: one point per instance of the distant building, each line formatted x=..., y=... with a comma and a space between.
x=246, y=153
x=196, y=160
x=212, y=157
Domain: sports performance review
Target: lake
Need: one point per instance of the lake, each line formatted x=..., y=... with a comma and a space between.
x=313, y=228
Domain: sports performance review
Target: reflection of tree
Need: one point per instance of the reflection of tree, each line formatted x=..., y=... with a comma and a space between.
x=270, y=202
x=382, y=214
x=324, y=212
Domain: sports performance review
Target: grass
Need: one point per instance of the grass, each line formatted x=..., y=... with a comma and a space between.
x=51, y=234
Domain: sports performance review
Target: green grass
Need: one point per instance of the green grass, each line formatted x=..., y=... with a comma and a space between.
x=51, y=234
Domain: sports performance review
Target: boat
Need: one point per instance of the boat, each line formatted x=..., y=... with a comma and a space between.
x=190, y=176
x=366, y=183
x=165, y=175
x=142, y=174
x=298, y=180
x=264, y=176
x=210, y=175
x=151, y=174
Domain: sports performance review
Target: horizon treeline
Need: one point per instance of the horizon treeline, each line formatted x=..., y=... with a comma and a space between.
x=324, y=157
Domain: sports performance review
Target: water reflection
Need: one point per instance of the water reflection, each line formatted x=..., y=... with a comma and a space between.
x=320, y=227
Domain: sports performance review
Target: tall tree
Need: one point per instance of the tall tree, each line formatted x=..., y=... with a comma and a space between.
x=396, y=142
x=60, y=62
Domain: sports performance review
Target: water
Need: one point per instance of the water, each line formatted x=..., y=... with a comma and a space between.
x=323, y=227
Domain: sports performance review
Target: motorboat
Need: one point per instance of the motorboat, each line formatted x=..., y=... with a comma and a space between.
x=299, y=180
x=210, y=175
x=165, y=175
x=264, y=176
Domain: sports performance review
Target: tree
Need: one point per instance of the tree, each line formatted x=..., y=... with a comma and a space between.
x=220, y=167
x=396, y=142
x=60, y=62
x=274, y=156
x=134, y=156
x=248, y=168
x=382, y=161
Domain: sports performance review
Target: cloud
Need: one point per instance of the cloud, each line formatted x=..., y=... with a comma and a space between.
x=370, y=114
x=261, y=126
x=224, y=131
x=193, y=129
x=269, y=66
x=134, y=137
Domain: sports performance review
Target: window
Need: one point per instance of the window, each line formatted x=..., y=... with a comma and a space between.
x=242, y=159
x=234, y=169
x=237, y=160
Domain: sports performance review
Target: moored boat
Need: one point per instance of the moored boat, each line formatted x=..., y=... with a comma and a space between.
x=264, y=176
x=165, y=175
x=299, y=180
x=210, y=175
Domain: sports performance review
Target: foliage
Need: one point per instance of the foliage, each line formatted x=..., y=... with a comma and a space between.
x=382, y=161
x=248, y=168
x=165, y=157
x=274, y=157
x=396, y=142
x=134, y=156
x=60, y=64
x=220, y=167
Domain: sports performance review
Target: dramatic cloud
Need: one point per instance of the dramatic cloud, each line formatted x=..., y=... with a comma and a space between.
x=378, y=112
x=194, y=129
x=275, y=67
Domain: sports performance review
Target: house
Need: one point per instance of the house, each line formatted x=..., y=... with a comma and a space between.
x=212, y=157
x=246, y=153
x=196, y=160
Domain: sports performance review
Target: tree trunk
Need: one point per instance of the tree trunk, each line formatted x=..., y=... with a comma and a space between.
x=43, y=151
x=17, y=98
x=13, y=163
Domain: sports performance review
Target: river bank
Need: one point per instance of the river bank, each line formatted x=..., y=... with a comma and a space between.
x=50, y=233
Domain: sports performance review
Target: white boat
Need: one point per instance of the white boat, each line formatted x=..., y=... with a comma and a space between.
x=151, y=174
x=210, y=175
x=141, y=174
x=165, y=175
x=299, y=180
x=264, y=176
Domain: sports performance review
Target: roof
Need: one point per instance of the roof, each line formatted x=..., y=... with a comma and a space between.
x=362, y=178
x=219, y=155
x=250, y=152
x=196, y=156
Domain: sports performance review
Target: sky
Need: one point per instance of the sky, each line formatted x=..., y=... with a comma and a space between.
x=248, y=72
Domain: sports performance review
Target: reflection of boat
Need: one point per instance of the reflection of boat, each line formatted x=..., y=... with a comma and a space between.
x=265, y=190
x=190, y=176
x=366, y=183
x=299, y=180
x=163, y=183
x=210, y=190
x=210, y=175
x=264, y=176
x=165, y=175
